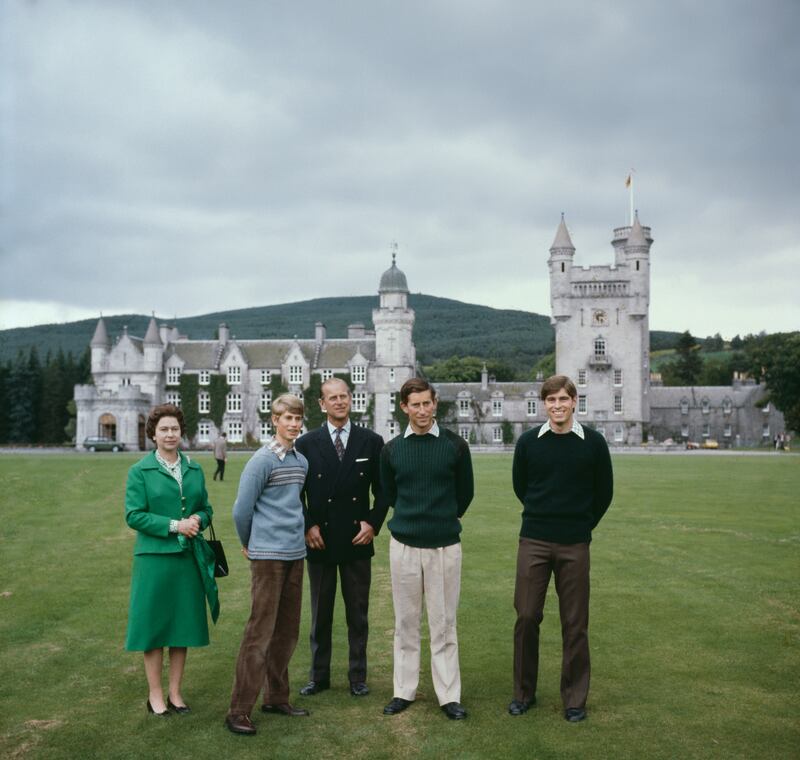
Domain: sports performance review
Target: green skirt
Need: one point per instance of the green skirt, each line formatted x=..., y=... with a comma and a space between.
x=168, y=603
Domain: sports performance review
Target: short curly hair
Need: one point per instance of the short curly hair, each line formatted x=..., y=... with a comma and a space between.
x=163, y=410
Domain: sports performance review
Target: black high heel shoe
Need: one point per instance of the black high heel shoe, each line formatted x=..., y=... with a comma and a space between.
x=181, y=710
x=150, y=709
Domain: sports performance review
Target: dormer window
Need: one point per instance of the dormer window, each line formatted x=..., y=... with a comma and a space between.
x=358, y=374
x=234, y=375
x=173, y=375
x=296, y=374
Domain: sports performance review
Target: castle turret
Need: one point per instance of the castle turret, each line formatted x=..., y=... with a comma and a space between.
x=560, y=262
x=393, y=321
x=637, y=256
x=101, y=345
x=153, y=348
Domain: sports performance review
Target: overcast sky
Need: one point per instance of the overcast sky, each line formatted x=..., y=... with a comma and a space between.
x=188, y=157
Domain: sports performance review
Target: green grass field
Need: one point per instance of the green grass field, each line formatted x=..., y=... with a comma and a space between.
x=695, y=626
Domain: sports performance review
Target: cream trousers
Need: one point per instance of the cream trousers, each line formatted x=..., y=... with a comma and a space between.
x=436, y=575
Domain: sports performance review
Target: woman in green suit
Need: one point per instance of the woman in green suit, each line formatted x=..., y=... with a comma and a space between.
x=167, y=505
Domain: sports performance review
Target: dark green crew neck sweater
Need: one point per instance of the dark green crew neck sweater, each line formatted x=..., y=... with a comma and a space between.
x=565, y=484
x=428, y=481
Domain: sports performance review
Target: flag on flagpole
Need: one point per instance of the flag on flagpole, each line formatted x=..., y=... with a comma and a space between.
x=628, y=180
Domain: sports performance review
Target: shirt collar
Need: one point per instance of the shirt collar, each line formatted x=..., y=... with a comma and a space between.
x=577, y=428
x=276, y=448
x=332, y=428
x=434, y=431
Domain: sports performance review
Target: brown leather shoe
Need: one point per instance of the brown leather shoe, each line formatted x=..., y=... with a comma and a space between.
x=286, y=709
x=240, y=724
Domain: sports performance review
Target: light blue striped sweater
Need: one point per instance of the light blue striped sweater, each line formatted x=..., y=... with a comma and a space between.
x=268, y=513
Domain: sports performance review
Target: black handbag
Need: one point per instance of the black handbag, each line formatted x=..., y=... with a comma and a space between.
x=220, y=563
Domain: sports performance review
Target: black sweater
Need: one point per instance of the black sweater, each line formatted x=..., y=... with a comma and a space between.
x=565, y=484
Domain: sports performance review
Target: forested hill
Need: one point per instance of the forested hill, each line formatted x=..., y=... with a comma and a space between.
x=443, y=328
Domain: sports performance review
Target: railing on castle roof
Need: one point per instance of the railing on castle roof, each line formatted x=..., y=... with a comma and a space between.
x=600, y=288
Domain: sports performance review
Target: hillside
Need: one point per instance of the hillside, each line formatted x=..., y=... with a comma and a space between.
x=443, y=328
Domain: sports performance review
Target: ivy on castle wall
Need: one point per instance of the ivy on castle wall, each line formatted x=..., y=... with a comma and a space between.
x=217, y=390
x=508, y=432
x=276, y=388
x=311, y=396
x=188, y=388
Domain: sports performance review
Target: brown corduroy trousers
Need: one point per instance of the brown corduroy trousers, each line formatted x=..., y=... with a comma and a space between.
x=270, y=636
x=536, y=560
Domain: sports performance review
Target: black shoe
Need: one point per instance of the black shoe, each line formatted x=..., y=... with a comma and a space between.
x=574, y=714
x=180, y=709
x=240, y=724
x=290, y=711
x=359, y=689
x=454, y=711
x=397, y=705
x=520, y=707
x=150, y=709
x=314, y=687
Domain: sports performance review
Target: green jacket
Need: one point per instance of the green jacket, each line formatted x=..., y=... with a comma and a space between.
x=152, y=499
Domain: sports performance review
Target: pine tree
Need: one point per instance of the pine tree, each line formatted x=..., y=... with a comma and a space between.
x=21, y=402
x=689, y=363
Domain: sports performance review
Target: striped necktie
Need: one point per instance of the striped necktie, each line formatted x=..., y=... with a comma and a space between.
x=338, y=445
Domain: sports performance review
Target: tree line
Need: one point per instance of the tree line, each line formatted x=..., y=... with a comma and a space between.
x=36, y=396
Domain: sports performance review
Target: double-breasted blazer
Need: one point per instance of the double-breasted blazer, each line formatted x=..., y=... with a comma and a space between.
x=336, y=495
x=153, y=498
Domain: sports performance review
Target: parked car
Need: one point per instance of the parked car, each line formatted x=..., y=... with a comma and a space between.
x=692, y=445
x=710, y=443
x=102, y=443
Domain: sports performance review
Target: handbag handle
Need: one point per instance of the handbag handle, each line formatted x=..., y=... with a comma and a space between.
x=212, y=534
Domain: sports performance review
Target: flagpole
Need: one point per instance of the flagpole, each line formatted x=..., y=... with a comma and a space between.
x=631, y=197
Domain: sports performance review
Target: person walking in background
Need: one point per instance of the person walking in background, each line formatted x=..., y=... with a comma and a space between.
x=173, y=568
x=221, y=455
x=343, y=465
x=268, y=515
x=562, y=475
x=427, y=475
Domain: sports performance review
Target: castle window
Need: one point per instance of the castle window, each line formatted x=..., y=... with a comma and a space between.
x=637, y=266
x=562, y=266
x=463, y=407
x=234, y=375
x=497, y=435
x=684, y=406
x=264, y=430
x=125, y=381
x=581, y=377
x=706, y=430
x=392, y=401
x=727, y=406
x=358, y=374
x=581, y=404
x=463, y=431
x=173, y=397
x=391, y=374
x=619, y=434
x=326, y=374
x=727, y=431
x=204, y=402
x=359, y=402
x=765, y=408
x=617, y=403
x=617, y=377
x=265, y=402
x=705, y=405
x=392, y=428
x=203, y=432
x=234, y=402
x=234, y=431
x=765, y=430
x=266, y=376
x=531, y=407
x=599, y=348
x=497, y=407
x=204, y=377
x=296, y=374
x=684, y=430
x=173, y=375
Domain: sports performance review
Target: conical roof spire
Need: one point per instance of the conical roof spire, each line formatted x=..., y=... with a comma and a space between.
x=100, y=338
x=636, y=238
x=153, y=337
x=562, y=239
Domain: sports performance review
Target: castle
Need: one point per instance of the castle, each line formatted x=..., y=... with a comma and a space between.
x=600, y=316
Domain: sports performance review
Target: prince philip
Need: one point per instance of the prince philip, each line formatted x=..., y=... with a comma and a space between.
x=344, y=466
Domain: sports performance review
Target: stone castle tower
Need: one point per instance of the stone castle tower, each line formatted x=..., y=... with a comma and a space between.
x=600, y=315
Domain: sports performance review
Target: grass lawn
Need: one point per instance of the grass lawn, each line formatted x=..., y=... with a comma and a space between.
x=695, y=626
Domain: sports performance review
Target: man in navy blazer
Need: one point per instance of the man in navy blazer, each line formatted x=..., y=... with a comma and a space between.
x=343, y=466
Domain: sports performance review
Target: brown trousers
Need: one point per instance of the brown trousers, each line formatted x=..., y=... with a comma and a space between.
x=536, y=560
x=270, y=635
